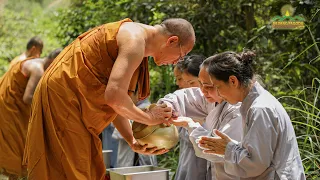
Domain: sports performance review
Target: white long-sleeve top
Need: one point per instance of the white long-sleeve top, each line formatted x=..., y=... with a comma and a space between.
x=268, y=149
x=226, y=118
x=190, y=102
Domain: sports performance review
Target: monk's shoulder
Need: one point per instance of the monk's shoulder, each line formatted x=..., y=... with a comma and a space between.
x=33, y=65
x=131, y=38
x=22, y=57
x=131, y=30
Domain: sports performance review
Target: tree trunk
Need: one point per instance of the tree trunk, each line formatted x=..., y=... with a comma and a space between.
x=249, y=15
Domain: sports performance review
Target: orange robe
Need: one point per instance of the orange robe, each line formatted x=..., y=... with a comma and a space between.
x=69, y=111
x=14, y=118
x=17, y=59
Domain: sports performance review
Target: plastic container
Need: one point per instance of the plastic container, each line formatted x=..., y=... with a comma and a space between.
x=139, y=173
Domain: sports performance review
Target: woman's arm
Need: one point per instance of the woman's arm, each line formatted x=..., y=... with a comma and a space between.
x=188, y=102
x=254, y=154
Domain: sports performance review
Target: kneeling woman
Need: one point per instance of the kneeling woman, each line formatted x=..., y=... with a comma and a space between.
x=268, y=149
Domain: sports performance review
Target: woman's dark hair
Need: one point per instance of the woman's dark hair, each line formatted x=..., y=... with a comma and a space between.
x=229, y=63
x=180, y=65
x=191, y=64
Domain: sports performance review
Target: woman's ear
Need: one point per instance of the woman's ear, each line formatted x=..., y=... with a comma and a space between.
x=233, y=81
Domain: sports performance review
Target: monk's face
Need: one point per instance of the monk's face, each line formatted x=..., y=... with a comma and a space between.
x=208, y=89
x=179, y=80
x=171, y=51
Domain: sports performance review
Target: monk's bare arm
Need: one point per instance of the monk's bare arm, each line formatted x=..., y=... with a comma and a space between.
x=131, y=52
x=123, y=126
x=35, y=73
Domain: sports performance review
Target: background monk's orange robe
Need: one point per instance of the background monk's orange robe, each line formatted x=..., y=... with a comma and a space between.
x=17, y=59
x=69, y=110
x=14, y=118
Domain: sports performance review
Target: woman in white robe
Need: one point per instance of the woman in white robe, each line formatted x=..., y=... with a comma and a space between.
x=268, y=148
x=191, y=102
x=189, y=166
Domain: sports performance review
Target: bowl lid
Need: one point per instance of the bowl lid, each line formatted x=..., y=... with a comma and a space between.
x=141, y=130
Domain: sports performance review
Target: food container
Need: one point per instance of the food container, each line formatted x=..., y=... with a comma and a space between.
x=139, y=173
x=161, y=136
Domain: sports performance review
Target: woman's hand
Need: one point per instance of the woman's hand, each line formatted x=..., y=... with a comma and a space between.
x=181, y=121
x=215, y=145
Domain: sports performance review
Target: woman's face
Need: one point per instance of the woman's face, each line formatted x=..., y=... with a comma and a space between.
x=208, y=89
x=228, y=91
x=179, y=81
x=191, y=80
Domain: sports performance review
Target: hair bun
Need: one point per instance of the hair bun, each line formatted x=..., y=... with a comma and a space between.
x=247, y=56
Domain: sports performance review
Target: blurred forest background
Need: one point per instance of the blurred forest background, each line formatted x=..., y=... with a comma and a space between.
x=288, y=60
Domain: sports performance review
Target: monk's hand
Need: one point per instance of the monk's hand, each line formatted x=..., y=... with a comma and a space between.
x=215, y=145
x=143, y=149
x=181, y=121
x=159, y=114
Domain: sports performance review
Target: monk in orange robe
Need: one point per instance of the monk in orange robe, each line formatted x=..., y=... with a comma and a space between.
x=88, y=86
x=34, y=50
x=16, y=90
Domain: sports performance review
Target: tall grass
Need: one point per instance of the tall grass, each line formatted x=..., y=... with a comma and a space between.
x=305, y=111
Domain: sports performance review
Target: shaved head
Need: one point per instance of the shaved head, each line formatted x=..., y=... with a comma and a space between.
x=35, y=41
x=51, y=57
x=181, y=28
x=55, y=53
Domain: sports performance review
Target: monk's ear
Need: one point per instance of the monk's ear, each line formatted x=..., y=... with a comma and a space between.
x=234, y=82
x=173, y=41
x=33, y=49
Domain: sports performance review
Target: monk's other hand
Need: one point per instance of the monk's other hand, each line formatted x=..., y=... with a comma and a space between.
x=181, y=121
x=143, y=149
x=215, y=145
x=160, y=113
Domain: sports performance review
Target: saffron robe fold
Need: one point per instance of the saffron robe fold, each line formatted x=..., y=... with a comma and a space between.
x=14, y=118
x=69, y=110
x=18, y=59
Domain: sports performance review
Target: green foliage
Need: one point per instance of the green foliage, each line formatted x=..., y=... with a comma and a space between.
x=84, y=16
x=306, y=112
x=170, y=161
x=21, y=20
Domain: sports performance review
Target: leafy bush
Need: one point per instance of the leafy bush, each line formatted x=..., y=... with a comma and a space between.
x=21, y=20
